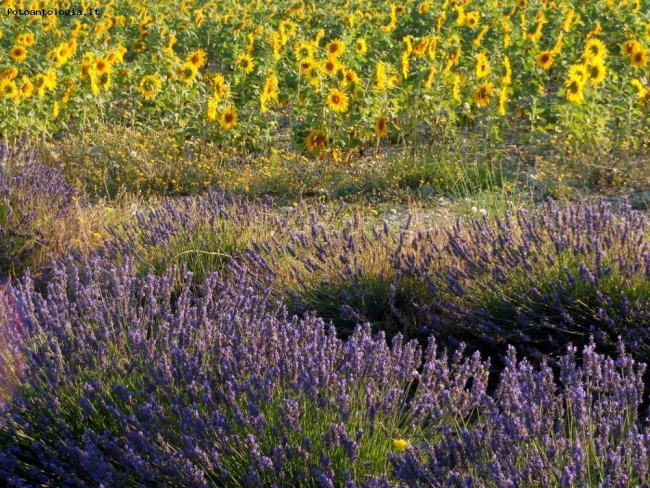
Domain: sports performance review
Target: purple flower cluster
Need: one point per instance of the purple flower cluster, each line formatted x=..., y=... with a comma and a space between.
x=540, y=280
x=126, y=383
x=203, y=232
x=30, y=195
x=582, y=432
x=344, y=275
x=537, y=279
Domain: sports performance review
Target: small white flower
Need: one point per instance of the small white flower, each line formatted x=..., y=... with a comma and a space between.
x=474, y=209
x=134, y=154
x=483, y=212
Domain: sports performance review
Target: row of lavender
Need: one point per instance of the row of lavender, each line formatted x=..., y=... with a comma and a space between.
x=122, y=367
x=540, y=279
x=31, y=196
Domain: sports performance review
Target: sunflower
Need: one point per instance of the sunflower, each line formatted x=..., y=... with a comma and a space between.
x=9, y=73
x=567, y=23
x=228, y=119
x=102, y=65
x=50, y=79
x=61, y=54
x=405, y=64
x=66, y=96
x=94, y=86
x=579, y=72
x=315, y=140
x=455, y=91
x=139, y=47
x=213, y=105
x=460, y=14
x=86, y=67
x=245, y=63
x=507, y=75
x=26, y=39
x=630, y=47
x=381, y=78
x=26, y=88
x=595, y=48
x=645, y=99
x=503, y=98
x=337, y=100
x=220, y=88
x=471, y=19
x=640, y=58
x=335, y=48
x=381, y=127
x=303, y=50
x=393, y=77
x=483, y=94
x=536, y=35
x=639, y=87
x=558, y=44
x=482, y=66
x=150, y=85
x=643, y=92
x=269, y=90
x=362, y=47
x=72, y=45
x=313, y=75
x=421, y=47
x=428, y=81
x=478, y=40
x=288, y=28
x=597, y=71
x=197, y=58
x=8, y=89
x=187, y=73
x=40, y=84
x=423, y=8
x=408, y=44
x=350, y=77
x=18, y=53
x=595, y=31
x=545, y=60
x=330, y=67
x=573, y=88
x=143, y=28
x=306, y=65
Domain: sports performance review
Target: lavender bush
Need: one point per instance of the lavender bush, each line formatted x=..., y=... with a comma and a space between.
x=582, y=432
x=125, y=384
x=344, y=275
x=540, y=279
x=31, y=197
x=203, y=232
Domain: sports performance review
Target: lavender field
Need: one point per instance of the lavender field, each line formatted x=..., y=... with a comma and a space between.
x=215, y=341
x=343, y=244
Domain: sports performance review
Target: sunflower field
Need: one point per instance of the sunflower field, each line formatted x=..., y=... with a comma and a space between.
x=333, y=79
